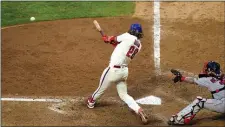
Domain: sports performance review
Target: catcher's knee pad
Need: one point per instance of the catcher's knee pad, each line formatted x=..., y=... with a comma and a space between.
x=200, y=102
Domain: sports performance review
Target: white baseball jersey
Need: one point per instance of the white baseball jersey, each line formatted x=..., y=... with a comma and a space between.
x=212, y=84
x=128, y=46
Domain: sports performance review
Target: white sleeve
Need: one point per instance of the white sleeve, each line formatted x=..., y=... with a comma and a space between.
x=203, y=81
x=120, y=38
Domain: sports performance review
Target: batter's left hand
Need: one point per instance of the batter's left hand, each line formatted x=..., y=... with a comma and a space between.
x=105, y=39
x=108, y=39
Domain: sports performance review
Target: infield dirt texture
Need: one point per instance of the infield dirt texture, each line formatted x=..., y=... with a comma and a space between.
x=65, y=59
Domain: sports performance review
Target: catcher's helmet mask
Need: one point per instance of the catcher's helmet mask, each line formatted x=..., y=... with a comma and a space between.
x=213, y=69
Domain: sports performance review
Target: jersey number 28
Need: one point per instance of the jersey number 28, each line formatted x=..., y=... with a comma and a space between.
x=132, y=51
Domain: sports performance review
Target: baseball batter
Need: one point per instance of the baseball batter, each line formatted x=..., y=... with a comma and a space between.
x=126, y=46
x=214, y=80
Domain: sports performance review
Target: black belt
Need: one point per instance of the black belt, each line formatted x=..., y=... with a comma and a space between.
x=217, y=91
x=117, y=66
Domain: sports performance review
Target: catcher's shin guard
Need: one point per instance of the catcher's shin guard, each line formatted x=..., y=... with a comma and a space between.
x=188, y=113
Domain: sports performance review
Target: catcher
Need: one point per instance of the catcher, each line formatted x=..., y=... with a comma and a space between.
x=214, y=80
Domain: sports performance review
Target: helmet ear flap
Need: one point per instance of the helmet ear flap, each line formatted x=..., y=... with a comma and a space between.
x=136, y=30
x=140, y=35
x=135, y=33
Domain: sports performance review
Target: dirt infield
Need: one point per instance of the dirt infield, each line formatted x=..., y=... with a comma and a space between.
x=65, y=59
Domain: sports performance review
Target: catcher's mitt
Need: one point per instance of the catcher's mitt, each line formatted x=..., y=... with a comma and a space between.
x=177, y=74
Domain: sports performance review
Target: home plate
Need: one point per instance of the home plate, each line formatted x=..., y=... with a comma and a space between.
x=149, y=100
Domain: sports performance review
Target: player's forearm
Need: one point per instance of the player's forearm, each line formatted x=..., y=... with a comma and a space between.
x=188, y=79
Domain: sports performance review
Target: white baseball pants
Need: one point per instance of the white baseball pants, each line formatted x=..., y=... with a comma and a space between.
x=215, y=105
x=116, y=76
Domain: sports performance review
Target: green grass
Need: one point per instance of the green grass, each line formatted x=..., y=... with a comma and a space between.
x=20, y=12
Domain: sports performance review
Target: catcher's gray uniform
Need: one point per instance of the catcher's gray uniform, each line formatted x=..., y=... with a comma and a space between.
x=217, y=89
x=217, y=103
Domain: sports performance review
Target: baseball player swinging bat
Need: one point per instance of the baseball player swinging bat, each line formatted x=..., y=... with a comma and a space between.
x=98, y=27
x=127, y=45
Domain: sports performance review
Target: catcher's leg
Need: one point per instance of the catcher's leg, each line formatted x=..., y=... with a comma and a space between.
x=188, y=113
x=122, y=91
x=103, y=85
x=215, y=105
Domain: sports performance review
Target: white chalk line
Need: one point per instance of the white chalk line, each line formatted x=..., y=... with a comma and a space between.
x=31, y=99
x=156, y=30
x=56, y=108
x=51, y=99
x=59, y=101
x=148, y=100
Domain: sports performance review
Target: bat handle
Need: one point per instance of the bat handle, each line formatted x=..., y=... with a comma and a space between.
x=101, y=32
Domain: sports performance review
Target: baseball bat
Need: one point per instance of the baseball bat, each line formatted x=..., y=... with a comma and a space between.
x=98, y=27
